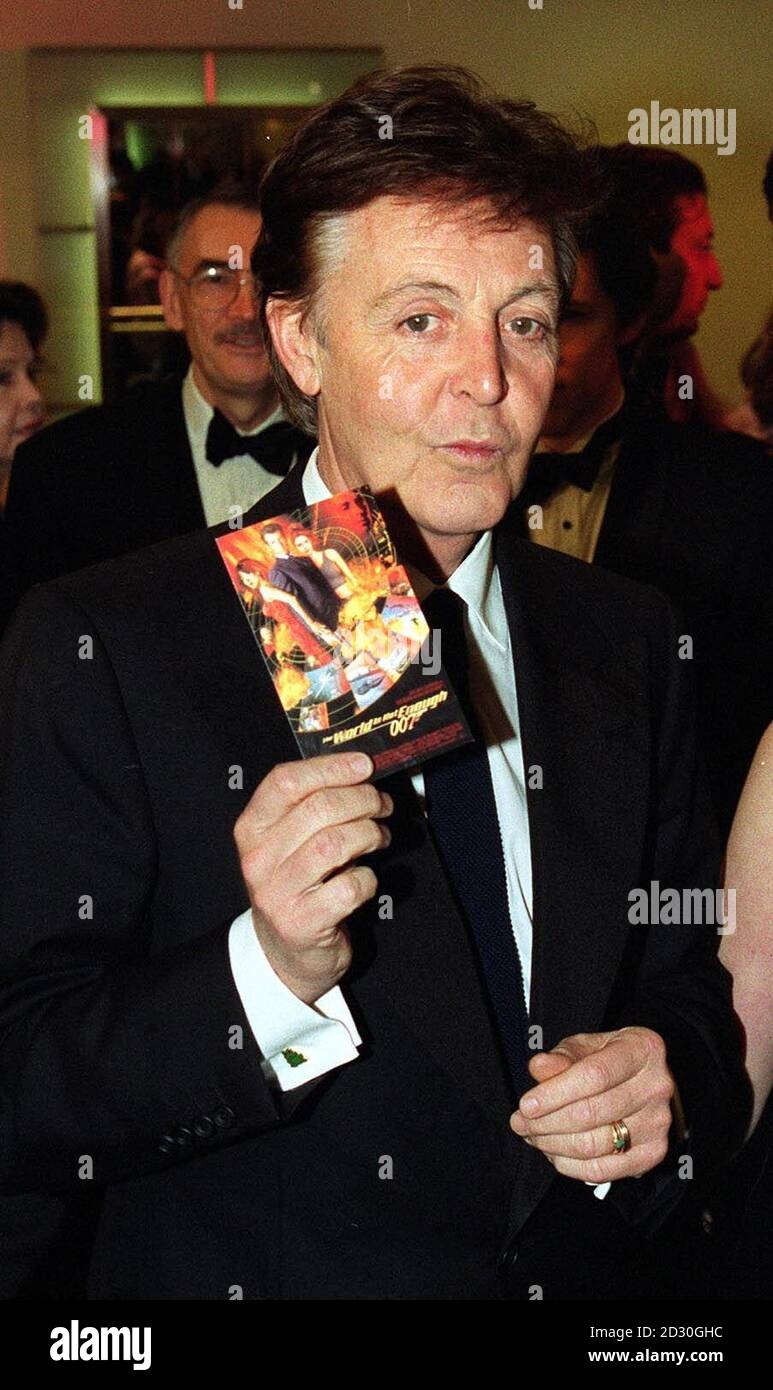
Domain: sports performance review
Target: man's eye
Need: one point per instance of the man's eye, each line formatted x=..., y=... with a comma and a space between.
x=417, y=323
x=528, y=328
x=215, y=276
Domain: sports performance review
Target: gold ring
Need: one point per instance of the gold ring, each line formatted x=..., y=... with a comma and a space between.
x=621, y=1137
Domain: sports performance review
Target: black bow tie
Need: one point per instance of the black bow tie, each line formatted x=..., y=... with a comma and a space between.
x=273, y=448
x=549, y=471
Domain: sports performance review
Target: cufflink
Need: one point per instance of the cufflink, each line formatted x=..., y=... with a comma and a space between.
x=292, y=1058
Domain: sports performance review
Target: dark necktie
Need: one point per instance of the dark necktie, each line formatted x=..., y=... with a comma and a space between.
x=463, y=816
x=273, y=448
x=549, y=471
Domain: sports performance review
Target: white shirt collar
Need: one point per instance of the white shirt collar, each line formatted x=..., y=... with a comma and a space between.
x=198, y=412
x=471, y=580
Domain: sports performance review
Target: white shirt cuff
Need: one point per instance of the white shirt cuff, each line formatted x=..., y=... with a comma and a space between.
x=298, y=1041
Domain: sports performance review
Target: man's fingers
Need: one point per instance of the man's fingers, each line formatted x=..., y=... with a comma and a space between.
x=639, y=1159
x=649, y=1123
x=287, y=784
x=329, y=807
x=331, y=848
x=599, y=1071
x=589, y=1112
x=546, y=1064
x=341, y=895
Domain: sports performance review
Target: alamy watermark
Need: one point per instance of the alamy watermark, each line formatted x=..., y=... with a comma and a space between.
x=693, y=125
x=683, y=907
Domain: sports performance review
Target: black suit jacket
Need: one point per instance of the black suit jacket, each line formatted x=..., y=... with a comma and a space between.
x=117, y=1027
x=101, y=483
x=690, y=510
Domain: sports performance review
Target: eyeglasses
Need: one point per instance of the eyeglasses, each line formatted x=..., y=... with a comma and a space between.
x=216, y=286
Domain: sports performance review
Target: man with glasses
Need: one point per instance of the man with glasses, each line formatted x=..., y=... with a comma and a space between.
x=170, y=456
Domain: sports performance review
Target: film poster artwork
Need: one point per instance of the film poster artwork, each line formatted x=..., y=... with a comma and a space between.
x=347, y=646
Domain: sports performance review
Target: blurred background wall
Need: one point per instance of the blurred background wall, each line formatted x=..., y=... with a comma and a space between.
x=596, y=57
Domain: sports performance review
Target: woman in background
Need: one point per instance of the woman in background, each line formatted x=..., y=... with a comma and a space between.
x=23, y=325
x=742, y=1201
x=748, y=952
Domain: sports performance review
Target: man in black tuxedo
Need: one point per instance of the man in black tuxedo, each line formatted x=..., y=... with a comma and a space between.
x=312, y=1037
x=169, y=456
x=686, y=508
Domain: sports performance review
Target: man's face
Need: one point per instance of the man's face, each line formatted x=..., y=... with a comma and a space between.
x=588, y=375
x=692, y=242
x=437, y=362
x=225, y=344
x=275, y=542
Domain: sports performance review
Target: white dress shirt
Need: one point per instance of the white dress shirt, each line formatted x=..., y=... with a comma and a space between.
x=326, y=1035
x=239, y=482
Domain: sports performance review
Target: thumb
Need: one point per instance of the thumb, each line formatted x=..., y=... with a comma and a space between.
x=547, y=1064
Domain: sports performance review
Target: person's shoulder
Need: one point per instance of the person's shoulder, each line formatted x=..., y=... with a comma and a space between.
x=157, y=586
x=724, y=457
x=579, y=592
x=97, y=427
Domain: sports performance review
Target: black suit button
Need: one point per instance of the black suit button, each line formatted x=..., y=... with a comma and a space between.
x=167, y=1145
x=224, y=1117
x=183, y=1137
x=203, y=1127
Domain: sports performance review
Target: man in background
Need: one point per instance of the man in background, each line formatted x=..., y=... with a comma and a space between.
x=686, y=508
x=666, y=199
x=170, y=456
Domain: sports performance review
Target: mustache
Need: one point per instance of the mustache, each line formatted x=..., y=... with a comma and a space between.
x=246, y=333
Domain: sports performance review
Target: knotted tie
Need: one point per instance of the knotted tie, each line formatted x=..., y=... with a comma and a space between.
x=273, y=448
x=463, y=816
x=549, y=471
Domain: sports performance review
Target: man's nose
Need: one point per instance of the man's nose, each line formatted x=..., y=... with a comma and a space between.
x=245, y=305
x=478, y=372
x=715, y=277
x=29, y=393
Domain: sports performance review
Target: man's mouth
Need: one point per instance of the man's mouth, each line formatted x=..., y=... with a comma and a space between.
x=246, y=342
x=25, y=431
x=473, y=450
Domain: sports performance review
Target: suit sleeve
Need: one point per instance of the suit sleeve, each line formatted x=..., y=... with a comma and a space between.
x=679, y=987
x=114, y=1060
x=35, y=536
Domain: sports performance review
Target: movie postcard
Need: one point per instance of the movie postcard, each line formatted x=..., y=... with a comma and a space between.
x=349, y=651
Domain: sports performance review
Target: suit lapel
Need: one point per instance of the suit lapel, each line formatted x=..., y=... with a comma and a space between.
x=577, y=705
x=170, y=477
x=633, y=518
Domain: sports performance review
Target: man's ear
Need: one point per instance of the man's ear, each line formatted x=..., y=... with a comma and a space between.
x=295, y=344
x=170, y=300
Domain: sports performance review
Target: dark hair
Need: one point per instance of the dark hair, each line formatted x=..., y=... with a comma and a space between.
x=648, y=180
x=624, y=263
x=227, y=194
x=767, y=184
x=271, y=529
x=19, y=303
x=433, y=133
